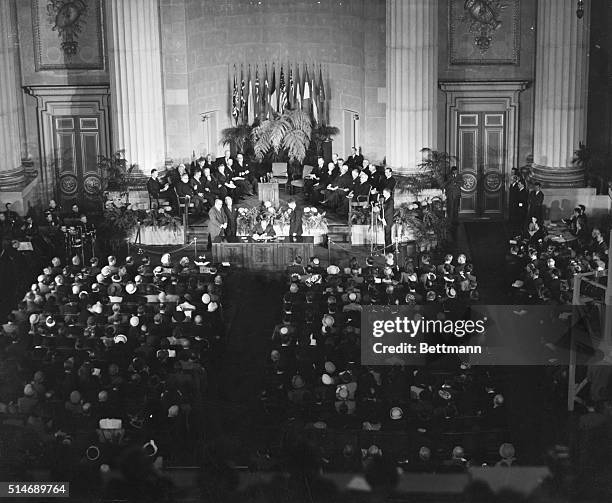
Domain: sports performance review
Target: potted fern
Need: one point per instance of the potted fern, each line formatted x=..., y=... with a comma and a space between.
x=283, y=136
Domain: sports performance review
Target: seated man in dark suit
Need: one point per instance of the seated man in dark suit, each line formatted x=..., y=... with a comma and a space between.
x=211, y=186
x=313, y=178
x=326, y=181
x=337, y=194
x=174, y=176
x=361, y=188
x=198, y=163
x=295, y=219
x=155, y=188
x=224, y=179
x=243, y=187
x=184, y=189
x=243, y=169
x=199, y=191
x=264, y=229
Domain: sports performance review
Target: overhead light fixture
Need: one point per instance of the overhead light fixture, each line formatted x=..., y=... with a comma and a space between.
x=580, y=9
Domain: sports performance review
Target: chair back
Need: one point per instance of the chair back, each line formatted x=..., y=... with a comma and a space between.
x=307, y=170
x=279, y=169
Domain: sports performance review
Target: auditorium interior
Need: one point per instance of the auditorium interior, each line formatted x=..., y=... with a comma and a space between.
x=306, y=250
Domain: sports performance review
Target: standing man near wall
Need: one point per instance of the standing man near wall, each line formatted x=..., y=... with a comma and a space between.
x=536, y=203
x=388, y=208
x=453, y=195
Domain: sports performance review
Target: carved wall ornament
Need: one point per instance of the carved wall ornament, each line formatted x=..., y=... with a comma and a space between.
x=483, y=18
x=67, y=17
x=68, y=35
x=484, y=32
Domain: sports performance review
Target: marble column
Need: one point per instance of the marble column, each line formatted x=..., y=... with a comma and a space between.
x=11, y=170
x=561, y=88
x=136, y=81
x=412, y=81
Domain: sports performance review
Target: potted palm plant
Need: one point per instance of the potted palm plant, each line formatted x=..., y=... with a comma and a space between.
x=237, y=137
x=115, y=175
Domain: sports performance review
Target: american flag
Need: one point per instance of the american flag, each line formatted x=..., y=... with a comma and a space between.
x=282, y=98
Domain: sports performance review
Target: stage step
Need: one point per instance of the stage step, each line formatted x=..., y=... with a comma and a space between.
x=339, y=233
x=337, y=227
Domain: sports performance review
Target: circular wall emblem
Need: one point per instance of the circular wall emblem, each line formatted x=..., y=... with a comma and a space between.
x=469, y=182
x=69, y=184
x=493, y=181
x=91, y=184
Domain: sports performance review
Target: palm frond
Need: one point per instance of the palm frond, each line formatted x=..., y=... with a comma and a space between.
x=279, y=128
x=289, y=132
x=295, y=142
x=261, y=138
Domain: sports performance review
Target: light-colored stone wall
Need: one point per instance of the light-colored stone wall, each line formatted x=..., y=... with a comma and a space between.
x=179, y=145
x=345, y=37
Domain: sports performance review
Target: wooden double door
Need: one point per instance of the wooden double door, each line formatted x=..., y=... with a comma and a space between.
x=481, y=151
x=77, y=147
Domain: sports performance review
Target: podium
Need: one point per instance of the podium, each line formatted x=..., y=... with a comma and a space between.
x=269, y=191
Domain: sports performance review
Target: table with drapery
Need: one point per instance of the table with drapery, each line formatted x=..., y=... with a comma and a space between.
x=271, y=255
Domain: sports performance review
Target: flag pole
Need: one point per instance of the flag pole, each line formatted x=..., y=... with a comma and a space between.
x=234, y=99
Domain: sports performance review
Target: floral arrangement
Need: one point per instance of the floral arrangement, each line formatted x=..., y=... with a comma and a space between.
x=313, y=221
x=247, y=219
x=120, y=220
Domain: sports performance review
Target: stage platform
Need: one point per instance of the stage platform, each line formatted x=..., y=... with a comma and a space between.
x=198, y=227
x=338, y=249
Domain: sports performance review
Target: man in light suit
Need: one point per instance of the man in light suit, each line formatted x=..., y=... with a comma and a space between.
x=217, y=223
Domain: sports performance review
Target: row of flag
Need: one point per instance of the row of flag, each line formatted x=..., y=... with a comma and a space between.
x=256, y=96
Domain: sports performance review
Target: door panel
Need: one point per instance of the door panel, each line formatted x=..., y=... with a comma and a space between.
x=494, y=156
x=468, y=168
x=67, y=172
x=90, y=150
x=481, y=152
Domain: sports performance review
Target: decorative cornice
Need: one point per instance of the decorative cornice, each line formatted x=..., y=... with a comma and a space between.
x=88, y=90
x=480, y=85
